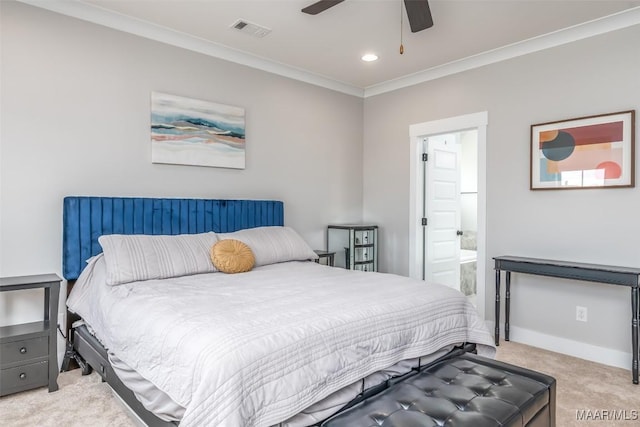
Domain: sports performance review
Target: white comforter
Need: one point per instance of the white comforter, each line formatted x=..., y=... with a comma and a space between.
x=255, y=348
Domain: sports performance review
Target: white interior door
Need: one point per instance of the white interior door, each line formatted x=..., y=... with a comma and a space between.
x=442, y=210
x=418, y=134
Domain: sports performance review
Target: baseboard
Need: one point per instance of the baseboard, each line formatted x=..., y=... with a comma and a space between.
x=594, y=353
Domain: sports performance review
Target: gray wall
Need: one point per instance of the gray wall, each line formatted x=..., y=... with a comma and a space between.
x=592, y=76
x=75, y=121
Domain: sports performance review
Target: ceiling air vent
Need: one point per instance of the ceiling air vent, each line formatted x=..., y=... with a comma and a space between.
x=250, y=28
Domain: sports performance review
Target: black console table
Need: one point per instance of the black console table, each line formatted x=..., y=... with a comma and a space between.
x=613, y=275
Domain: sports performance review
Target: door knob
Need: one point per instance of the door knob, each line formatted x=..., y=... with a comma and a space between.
x=459, y=233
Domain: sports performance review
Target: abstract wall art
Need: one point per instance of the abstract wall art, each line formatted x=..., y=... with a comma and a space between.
x=187, y=131
x=586, y=152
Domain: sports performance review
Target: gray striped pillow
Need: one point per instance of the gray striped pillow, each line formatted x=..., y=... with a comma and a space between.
x=274, y=244
x=130, y=258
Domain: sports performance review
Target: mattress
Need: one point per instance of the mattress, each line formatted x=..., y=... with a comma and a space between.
x=266, y=347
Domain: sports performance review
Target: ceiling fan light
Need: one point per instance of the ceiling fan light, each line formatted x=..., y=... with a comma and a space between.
x=369, y=57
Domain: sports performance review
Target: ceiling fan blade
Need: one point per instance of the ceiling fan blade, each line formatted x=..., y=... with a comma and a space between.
x=320, y=6
x=419, y=15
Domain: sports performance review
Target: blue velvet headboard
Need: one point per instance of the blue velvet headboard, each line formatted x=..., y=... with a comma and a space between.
x=87, y=218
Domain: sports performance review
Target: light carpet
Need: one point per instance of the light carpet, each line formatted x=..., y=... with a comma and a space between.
x=587, y=393
x=80, y=401
x=596, y=393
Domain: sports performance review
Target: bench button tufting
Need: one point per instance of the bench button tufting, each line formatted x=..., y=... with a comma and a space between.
x=467, y=399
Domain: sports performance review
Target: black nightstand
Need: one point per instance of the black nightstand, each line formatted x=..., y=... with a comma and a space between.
x=325, y=254
x=28, y=351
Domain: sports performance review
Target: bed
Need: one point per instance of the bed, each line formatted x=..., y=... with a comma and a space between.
x=288, y=343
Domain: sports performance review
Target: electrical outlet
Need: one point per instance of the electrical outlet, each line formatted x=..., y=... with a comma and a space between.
x=581, y=313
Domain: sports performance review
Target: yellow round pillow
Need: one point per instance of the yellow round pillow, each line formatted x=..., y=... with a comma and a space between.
x=232, y=256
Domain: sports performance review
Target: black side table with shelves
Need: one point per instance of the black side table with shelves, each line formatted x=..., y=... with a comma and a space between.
x=28, y=351
x=355, y=245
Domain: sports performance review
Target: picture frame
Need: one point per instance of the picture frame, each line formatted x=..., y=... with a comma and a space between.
x=586, y=152
x=194, y=132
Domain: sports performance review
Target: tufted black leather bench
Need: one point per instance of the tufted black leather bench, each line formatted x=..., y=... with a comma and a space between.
x=466, y=390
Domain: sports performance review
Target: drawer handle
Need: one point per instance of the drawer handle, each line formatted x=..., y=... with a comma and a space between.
x=23, y=350
x=22, y=375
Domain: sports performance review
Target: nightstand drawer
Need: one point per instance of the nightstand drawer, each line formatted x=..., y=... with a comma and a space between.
x=18, y=351
x=24, y=377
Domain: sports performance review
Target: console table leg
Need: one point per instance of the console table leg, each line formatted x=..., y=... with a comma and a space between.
x=507, y=305
x=497, y=328
x=634, y=333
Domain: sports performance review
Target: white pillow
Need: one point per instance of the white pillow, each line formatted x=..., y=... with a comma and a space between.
x=85, y=288
x=130, y=258
x=271, y=245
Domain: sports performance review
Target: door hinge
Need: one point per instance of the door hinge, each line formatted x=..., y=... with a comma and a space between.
x=424, y=221
x=425, y=157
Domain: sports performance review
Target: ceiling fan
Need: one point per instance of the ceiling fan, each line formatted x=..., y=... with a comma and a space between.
x=418, y=12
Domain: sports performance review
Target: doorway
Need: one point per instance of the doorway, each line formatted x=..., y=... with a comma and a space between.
x=448, y=205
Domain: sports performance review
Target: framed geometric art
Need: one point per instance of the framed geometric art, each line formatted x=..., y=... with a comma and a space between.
x=586, y=152
x=188, y=131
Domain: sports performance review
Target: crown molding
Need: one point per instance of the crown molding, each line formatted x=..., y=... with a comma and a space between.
x=138, y=27
x=107, y=18
x=616, y=21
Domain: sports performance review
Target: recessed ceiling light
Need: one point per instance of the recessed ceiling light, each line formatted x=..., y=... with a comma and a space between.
x=369, y=57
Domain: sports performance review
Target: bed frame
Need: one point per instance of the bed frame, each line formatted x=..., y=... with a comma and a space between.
x=87, y=218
